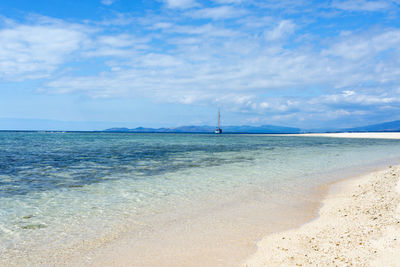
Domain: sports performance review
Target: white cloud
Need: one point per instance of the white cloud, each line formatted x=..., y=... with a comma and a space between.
x=119, y=19
x=205, y=29
x=242, y=63
x=107, y=2
x=235, y=70
x=351, y=97
x=362, y=5
x=355, y=47
x=228, y=1
x=121, y=45
x=288, y=6
x=257, y=21
x=264, y=105
x=32, y=51
x=348, y=93
x=122, y=40
x=180, y=4
x=217, y=13
x=282, y=30
x=162, y=25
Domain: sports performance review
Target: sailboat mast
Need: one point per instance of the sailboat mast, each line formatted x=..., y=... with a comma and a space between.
x=219, y=116
x=218, y=130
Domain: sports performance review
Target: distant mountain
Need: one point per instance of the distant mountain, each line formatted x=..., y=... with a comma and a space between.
x=181, y=129
x=210, y=129
x=393, y=126
x=260, y=129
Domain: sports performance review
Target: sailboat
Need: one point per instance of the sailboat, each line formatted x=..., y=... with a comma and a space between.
x=218, y=130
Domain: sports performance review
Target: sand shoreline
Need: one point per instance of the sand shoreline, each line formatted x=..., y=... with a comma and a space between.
x=358, y=224
x=300, y=239
x=313, y=242
x=374, y=135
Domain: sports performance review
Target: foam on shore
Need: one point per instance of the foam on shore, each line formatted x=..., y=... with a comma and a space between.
x=359, y=224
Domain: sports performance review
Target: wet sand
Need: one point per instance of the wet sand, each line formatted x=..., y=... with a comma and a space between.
x=217, y=236
x=359, y=224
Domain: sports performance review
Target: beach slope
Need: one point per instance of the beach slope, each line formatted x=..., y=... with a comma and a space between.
x=358, y=224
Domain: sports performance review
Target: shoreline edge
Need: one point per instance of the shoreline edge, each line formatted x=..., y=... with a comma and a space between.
x=358, y=224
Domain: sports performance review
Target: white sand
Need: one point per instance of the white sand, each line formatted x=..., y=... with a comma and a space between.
x=385, y=135
x=359, y=225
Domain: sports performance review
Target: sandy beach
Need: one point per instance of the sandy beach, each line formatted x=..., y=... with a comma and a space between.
x=379, y=135
x=359, y=224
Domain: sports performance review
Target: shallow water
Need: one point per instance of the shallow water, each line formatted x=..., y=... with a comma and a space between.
x=61, y=189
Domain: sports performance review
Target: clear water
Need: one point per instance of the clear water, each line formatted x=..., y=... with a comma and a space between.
x=59, y=189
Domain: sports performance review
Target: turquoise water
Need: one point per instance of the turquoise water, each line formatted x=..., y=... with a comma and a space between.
x=57, y=189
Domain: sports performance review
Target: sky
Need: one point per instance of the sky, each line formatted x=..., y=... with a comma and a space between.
x=95, y=64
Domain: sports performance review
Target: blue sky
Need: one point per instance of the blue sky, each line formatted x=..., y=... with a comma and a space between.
x=162, y=63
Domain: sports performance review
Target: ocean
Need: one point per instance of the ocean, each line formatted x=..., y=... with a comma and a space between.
x=63, y=192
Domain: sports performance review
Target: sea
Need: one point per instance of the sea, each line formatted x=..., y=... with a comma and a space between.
x=67, y=194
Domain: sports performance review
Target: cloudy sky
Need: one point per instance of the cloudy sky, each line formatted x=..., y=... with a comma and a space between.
x=160, y=63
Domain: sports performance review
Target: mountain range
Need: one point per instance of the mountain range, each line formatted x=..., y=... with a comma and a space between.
x=210, y=129
x=393, y=126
